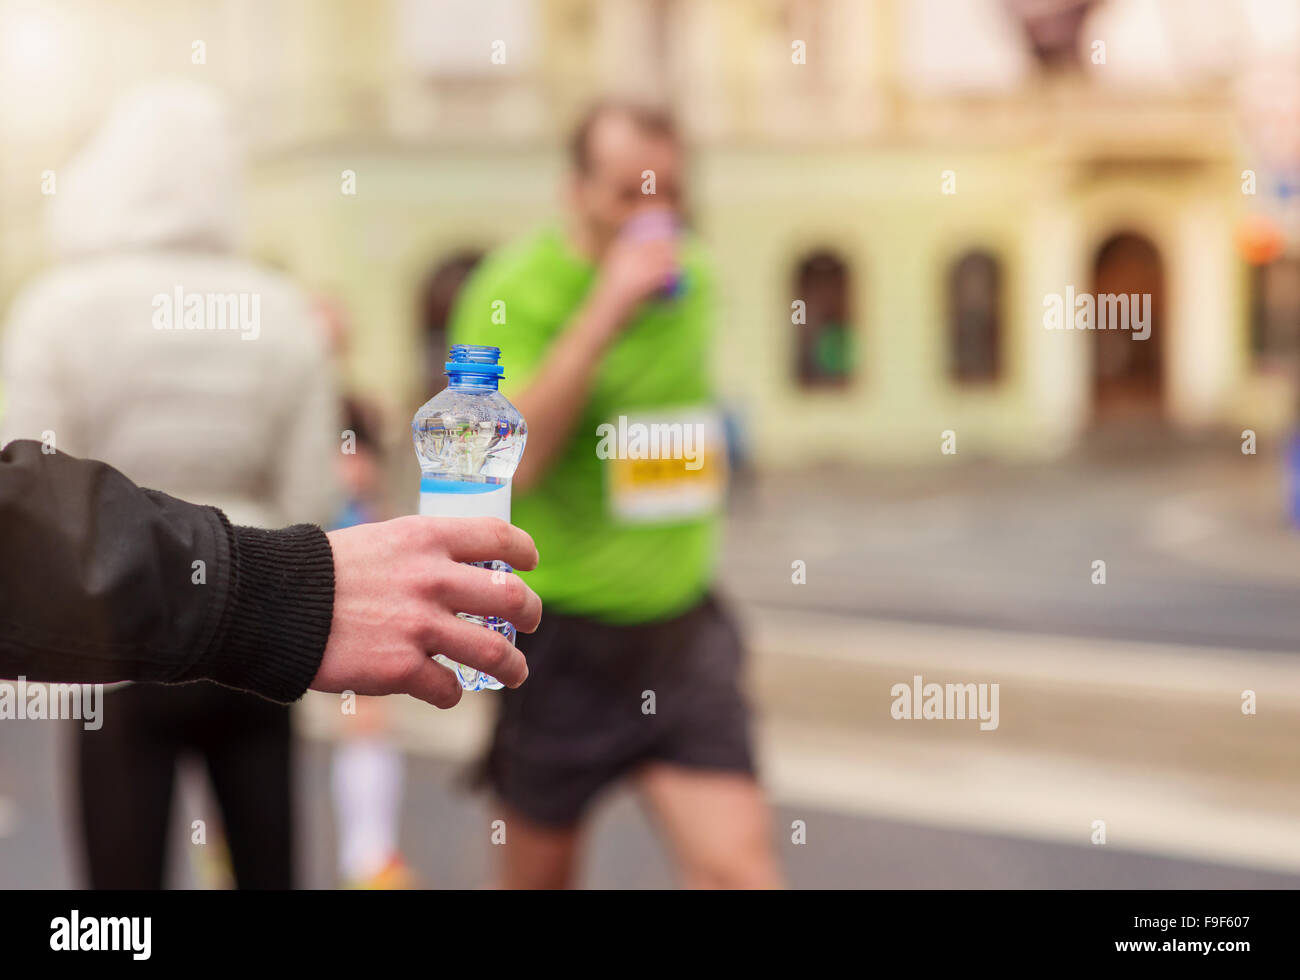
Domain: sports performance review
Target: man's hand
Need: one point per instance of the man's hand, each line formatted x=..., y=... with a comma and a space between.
x=632, y=270
x=397, y=588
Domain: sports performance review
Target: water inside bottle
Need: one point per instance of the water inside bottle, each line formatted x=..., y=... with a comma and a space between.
x=469, y=439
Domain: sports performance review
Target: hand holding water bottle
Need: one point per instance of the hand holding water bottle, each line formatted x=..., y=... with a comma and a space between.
x=398, y=589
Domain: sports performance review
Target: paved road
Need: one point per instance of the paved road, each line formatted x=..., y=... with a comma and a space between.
x=1196, y=553
x=446, y=833
x=1195, y=545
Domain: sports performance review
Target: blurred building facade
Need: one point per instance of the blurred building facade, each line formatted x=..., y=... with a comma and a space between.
x=920, y=175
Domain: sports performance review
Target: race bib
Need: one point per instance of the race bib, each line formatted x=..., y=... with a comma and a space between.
x=663, y=467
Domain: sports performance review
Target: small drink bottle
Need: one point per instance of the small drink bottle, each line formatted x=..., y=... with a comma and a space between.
x=469, y=440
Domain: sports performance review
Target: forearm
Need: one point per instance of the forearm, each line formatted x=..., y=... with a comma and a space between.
x=103, y=581
x=277, y=616
x=554, y=401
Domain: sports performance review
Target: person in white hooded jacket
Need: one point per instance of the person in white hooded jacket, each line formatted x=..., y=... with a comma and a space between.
x=151, y=345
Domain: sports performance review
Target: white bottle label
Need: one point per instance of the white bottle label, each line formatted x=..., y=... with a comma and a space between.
x=488, y=503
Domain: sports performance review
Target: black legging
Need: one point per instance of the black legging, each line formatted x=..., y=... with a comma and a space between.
x=127, y=769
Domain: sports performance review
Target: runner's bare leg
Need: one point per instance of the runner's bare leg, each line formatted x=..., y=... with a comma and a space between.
x=536, y=856
x=717, y=823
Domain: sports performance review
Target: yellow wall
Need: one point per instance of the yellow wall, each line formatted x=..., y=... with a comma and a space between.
x=318, y=80
x=762, y=210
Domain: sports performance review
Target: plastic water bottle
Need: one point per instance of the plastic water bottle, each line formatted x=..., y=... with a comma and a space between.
x=469, y=440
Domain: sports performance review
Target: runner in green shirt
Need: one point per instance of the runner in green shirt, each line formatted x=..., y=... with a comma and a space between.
x=598, y=563
x=604, y=327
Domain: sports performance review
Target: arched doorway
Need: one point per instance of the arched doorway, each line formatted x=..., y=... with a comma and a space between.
x=1128, y=290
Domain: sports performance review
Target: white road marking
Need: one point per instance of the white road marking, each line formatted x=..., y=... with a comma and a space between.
x=995, y=786
x=1024, y=794
x=1178, y=521
x=1158, y=670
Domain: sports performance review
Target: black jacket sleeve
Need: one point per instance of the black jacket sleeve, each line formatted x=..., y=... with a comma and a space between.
x=103, y=581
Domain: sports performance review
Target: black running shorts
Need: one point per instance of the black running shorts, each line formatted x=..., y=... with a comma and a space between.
x=584, y=717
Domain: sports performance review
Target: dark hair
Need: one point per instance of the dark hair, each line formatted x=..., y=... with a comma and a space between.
x=436, y=300
x=440, y=286
x=362, y=418
x=651, y=120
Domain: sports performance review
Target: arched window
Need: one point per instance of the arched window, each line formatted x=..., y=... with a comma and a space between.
x=824, y=341
x=975, y=318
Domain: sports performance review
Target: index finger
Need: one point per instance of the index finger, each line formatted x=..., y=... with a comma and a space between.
x=486, y=538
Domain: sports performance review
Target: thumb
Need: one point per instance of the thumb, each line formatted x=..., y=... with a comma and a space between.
x=435, y=684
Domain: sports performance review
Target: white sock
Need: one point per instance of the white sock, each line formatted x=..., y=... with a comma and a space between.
x=367, y=789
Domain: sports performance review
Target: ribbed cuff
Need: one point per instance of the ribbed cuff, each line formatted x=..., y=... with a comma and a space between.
x=277, y=619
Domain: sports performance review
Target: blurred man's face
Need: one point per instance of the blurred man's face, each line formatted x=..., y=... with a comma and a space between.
x=611, y=191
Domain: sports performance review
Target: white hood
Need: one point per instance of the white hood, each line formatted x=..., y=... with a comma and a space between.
x=148, y=208
x=162, y=171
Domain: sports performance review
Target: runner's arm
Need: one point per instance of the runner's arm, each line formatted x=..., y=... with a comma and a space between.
x=554, y=401
x=631, y=271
